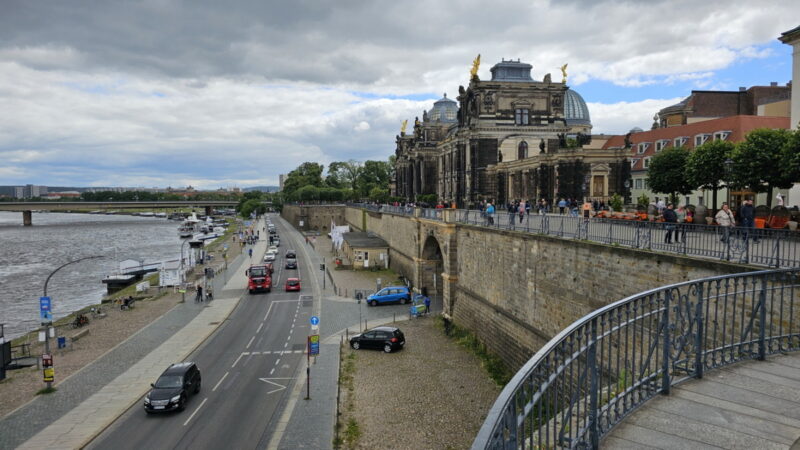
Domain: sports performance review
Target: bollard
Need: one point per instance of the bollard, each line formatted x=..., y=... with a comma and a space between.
x=394, y=317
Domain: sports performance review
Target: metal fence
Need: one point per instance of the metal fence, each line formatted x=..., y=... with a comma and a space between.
x=599, y=369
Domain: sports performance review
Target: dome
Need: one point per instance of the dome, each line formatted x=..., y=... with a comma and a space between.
x=636, y=130
x=444, y=110
x=575, y=110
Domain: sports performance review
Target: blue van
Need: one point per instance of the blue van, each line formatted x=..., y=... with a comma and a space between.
x=389, y=295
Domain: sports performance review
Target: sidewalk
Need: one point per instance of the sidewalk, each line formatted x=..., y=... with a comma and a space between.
x=79, y=411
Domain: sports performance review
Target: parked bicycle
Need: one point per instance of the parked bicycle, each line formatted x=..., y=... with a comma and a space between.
x=80, y=321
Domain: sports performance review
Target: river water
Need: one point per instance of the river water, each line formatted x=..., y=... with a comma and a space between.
x=29, y=254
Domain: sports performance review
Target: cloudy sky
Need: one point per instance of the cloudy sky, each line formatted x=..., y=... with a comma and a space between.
x=221, y=94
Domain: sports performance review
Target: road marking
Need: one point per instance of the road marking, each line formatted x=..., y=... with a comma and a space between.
x=219, y=382
x=272, y=371
x=268, y=310
x=251, y=342
x=279, y=386
x=286, y=344
x=287, y=338
x=195, y=411
x=259, y=328
x=255, y=353
x=276, y=362
x=237, y=359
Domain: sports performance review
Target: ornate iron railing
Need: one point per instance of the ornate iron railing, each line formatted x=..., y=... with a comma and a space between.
x=605, y=365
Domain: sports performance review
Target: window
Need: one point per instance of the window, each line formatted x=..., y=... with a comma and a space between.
x=522, y=150
x=637, y=183
x=701, y=139
x=521, y=117
x=642, y=147
x=633, y=162
x=647, y=162
x=661, y=143
x=646, y=185
x=721, y=135
x=679, y=141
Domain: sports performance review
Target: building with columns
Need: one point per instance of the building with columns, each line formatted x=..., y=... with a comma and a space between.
x=792, y=37
x=507, y=138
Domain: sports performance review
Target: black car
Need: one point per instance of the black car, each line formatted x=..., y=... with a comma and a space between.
x=173, y=388
x=291, y=254
x=291, y=263
x=387, y=339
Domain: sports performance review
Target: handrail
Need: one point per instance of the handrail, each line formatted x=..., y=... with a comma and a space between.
x=599, y=369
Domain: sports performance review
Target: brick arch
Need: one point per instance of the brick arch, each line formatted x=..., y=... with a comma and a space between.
x=436, y=263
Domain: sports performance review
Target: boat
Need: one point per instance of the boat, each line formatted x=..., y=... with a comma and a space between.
x=189, y=227
x=161, y=215
x=147, y=214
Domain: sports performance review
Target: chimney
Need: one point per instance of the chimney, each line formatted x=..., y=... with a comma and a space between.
x=773, y=83
x=742, y=88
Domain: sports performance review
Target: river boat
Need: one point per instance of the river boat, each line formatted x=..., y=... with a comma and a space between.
x=161, y=215
x=147, y=214
x=189, y=227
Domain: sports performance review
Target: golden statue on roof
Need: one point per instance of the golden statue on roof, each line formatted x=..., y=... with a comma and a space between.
x=475, y=64
x=403, y=126
x=564, y=73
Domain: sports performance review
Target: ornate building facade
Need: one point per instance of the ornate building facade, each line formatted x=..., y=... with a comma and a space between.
x=508, y=138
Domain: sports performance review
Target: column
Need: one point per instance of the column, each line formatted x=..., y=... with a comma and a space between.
x=27, y=218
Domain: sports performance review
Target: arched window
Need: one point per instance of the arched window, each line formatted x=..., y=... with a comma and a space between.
x=522, y=150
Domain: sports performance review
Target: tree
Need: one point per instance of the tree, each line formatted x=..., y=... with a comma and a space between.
x=379, y=195
x=343, y=174
x=757, y=162
x=374, y=174
x=666, y=173
x=306, y=174
x=705, y=166
x=252, y=205
x=791, y=157
x=307, y=193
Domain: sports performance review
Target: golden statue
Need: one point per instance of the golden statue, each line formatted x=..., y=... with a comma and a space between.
x=475, y=64
x=564, y=73
x=403, y=126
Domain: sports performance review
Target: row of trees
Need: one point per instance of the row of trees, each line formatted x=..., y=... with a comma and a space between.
x=345, y=180
x=767, y=159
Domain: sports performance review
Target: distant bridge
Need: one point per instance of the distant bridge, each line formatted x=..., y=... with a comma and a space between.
x=27, y=207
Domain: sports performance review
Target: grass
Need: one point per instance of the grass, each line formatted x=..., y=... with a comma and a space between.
x=497, y=370
x=49, y=390
x=348, y=437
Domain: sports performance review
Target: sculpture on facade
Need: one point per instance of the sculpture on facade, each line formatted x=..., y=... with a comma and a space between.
x=541, y=146
x=564, y=73
x=562, y=140
x=403, y=127
x=628, y=143
x=547, y=79
x=475, y=65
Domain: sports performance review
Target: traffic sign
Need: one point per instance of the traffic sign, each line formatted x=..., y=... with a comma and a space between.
x=314, y=320
x=45, y=309
x=313, y=344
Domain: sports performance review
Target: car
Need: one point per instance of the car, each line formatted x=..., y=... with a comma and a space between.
x=173, y=388
x=291, y=263
x=269, y=257
x=292, y=284
x=390, y=294
x=276, y=242
x=291, y=254
x=272, y=248
x=272, y=230
x=387, y=339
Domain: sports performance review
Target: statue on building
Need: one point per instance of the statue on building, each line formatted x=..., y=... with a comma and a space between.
x=424, y=116
x=488, y=101
x=417, y=128
x=541, y=146
x=628, y=143
x=403, y=127
x=562, y=140
x=584, y=139
x=476, y=63
x=547, y=79
x=556, y=102
x=564, y=73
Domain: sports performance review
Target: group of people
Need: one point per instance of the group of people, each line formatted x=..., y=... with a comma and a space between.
x=673, y=219
x=725, y=218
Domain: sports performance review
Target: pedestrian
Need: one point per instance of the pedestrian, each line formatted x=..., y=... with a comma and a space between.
x=725, y=220
x=490, y=213
x=199, y=296
x=511, y=212
x=561, y=205
x=427, y=305
x=521, y=211
x=587, y=209
x=680, y=232
x=250, y=252
x=747, y=215
x=670, y=219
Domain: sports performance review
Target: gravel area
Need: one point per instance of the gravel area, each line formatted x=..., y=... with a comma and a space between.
x=433, y=394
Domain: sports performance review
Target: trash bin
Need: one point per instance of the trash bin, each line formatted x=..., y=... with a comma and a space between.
x=62, y=342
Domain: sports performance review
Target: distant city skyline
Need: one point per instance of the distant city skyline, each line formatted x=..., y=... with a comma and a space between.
x=121, y=94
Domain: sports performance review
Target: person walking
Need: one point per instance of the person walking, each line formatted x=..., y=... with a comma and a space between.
x=250, y=252
x=427, y=305
x=680, y=231
x=561, y=205
x=747, y=216
x=199, y=296
x=670, y=218
x=587, y=209
x=521, y=211
x=725, y=220
x=490, y=213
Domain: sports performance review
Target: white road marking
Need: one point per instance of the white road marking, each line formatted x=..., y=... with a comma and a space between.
x=286, y=344
x=268, y=310
x=279, y=386
x=276, y=362
x=237, y=359
x=195, y=411
x=287, y=338
x=251, y=342
x=272, y=371
x=255, y=353
x=219, y=382
x=259, y=328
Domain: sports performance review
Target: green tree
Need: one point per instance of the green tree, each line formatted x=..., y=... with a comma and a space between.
x=757, y=162
x=252, y=205
x=379, y=195
x=666, y=173
x=705, y=166
x=306, y=174
x=791, y=157
x=343, y=174
x=307, y=193
x=374, y=174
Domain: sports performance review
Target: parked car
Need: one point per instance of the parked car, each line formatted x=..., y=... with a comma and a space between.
x=291, y=263
x=390, y=294
x=273, y=248
x=173, y=388
x=276, y=242
x=292, y=284
x=291, y=254
x=270, y=256
x=387, y=339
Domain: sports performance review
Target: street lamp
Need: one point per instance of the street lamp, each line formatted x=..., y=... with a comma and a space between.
x=728, y=175
x=46, y=325
x=183, y=282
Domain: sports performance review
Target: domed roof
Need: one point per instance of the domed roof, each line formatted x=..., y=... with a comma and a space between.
x=575, y=110
x=444, y=110
x=636, y=130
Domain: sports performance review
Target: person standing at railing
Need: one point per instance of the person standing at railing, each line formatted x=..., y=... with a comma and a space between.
x=490, y=213
x=561, y=205
x=512, y=211
x=680, y=232
x=725, y=220
x=521, y=211
x=747, y=216
x=670, y=219
x=587, y=209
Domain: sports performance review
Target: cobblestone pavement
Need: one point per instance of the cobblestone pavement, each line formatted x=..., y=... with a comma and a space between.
x=28, y=420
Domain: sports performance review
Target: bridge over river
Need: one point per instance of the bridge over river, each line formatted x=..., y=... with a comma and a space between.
x=27, y=208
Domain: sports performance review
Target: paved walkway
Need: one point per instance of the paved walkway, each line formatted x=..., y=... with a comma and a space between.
x=749, y=405
x=86, y=403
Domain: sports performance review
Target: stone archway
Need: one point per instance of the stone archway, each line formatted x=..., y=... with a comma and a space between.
x=431, y=266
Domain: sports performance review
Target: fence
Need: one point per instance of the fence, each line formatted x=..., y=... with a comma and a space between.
x=603, y=366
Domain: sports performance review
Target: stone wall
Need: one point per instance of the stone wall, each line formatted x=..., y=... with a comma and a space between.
x=314, y=217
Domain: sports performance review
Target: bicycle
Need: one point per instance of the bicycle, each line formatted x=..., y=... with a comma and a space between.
x=80, y=321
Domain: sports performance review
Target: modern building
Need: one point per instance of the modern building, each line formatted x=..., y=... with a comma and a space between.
x=30, y=191
x=507, y=138
x=792, y=37
x=281, y=180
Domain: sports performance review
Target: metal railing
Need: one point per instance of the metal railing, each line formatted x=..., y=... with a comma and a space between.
x=605, y=365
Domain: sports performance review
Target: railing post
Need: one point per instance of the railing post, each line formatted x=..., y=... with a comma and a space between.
x=762, y=319
x=665, y=381
x=698, y=360
x=591, y=361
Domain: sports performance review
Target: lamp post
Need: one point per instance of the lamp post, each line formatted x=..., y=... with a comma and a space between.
x=728, y=175
x=46, y=325
x=183, y=282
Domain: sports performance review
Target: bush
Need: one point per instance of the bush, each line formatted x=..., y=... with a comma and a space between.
x=616, y=202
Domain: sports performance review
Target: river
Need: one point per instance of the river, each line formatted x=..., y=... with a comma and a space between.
x=29, y=254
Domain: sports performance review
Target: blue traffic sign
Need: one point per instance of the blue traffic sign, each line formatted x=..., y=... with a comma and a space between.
x=45, y=311
x=313, y=344
x=314, y=320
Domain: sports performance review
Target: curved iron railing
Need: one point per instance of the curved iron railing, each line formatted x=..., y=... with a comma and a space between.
x=605, y=365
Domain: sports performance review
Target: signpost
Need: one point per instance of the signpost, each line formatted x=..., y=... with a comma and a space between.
x=45, y=309
x=47, y=368
x=312, y=349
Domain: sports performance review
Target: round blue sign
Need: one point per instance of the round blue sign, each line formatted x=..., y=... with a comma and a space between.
x=314, y=320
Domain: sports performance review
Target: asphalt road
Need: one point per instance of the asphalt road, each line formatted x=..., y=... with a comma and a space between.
x=247, y=368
